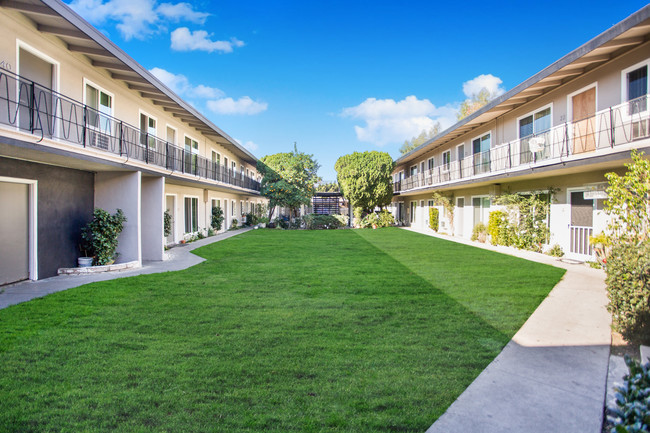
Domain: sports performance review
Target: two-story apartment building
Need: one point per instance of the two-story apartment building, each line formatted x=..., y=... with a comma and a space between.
x=561, y=129
x=82, y=125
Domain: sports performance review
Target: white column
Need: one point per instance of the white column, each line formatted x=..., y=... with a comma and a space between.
x=121, y=190
x=152, y=222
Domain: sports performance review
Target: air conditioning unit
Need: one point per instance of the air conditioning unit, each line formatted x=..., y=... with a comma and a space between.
x=639, y=129
x=97, y=139
x=536, y=144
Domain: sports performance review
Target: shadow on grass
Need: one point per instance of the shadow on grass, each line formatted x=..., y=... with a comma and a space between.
x=276, y=331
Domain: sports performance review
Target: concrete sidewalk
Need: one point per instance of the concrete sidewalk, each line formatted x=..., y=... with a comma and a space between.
x=552, y=376
x=178, y=258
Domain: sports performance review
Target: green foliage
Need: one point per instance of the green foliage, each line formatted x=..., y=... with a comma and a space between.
x=319, y=222
x=233, y=223
x=327, y=187
x=479, y=233
x=365, y=179
x=633, y=399
x=251, y=219
x=555, y=251
x=377, y=220
x=217, y=218
x=629, y=200
x=628, y=289
x=343, y=220
x=475, y=103
x=447, y=202
x=527, y=216
x=167, y=222
x=500, y=230
x=420, y=139
x=434, y=218
x=288, y=179
x=99, y=236
x=281, y=223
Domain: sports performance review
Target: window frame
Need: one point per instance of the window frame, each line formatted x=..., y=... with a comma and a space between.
x=446, y=165
x=532, y=114
x=185, y=222
x=624, y=86
x=151, y=142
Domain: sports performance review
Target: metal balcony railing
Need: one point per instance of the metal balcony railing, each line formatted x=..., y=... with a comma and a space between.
x=614, y=126
x=30, y=107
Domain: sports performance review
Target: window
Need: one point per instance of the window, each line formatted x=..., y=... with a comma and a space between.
x=481, y=207
x=241, y=170
x=234, y=169
x=422, y=167
x=191, y=214
x=147, y=130
x=101, y=108
x=534, y=124
x=191, y=155
x=481, y=152
x=635, y=91
x=430, y=164
x=216, y=158
x=446, y=160
x=232, y=208
x=414, y=170
x=171, y=135
x=430, y=203
x=414, y=207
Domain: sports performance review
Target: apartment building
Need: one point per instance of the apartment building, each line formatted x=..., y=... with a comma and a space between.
x=82, y=125
x=561, y=129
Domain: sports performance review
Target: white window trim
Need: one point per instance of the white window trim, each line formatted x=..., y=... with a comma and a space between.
x=471, y=142
x=193, y=151
x=174, y=215
x=149, y=116
x=446, y=167
x=168, y=126
x=624, y=95
x=32, y=225
x=212, y=149
x=411, y=170
x=86, y=81
x=532, y=113
x=56, y=83
x=197, y=212
x=433, y=164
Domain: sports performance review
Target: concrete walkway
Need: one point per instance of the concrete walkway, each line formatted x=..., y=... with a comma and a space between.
x=552, y=376
x=178, y=258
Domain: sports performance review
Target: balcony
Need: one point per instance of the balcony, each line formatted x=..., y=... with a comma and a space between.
x=605, y=131
x=29, y=107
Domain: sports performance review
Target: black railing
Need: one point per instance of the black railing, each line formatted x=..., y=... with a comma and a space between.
x=36, y=109
x=615, y=126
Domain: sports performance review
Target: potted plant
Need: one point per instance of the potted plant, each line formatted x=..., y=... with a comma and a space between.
x=99, y=236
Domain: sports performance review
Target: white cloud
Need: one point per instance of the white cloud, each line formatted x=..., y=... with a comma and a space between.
x=391, y=122
x=484, y=81
x=137, y=18
x=251, y=146
x=181, y=85
x=185, y=40
x=243, y=105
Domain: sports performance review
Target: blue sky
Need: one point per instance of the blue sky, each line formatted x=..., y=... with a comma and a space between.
x=342, y=76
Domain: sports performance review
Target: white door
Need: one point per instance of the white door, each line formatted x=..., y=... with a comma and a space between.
x=458, y=216
x=581, y=227
x=41, y=72
x=171, y=207
x=14, y=232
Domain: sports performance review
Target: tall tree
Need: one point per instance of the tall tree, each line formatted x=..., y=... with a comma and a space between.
x=365, y=179
x=420, y=139
x=288, y=179
x=473, y=104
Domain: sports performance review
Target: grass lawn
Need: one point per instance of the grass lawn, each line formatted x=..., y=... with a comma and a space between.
x=281, y=331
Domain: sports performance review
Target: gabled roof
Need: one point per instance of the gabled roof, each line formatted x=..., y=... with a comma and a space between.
x=57, y=18
x=619, y=39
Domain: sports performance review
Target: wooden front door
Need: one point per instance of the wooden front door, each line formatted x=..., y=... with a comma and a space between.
x=584, y=110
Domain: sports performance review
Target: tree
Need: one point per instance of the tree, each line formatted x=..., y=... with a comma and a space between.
x=365, y=179
x=288, y=179
x=420, y=139
x=327, y=187
x=473, y=104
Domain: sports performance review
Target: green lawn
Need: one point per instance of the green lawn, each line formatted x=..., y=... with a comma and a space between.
x=305, y=331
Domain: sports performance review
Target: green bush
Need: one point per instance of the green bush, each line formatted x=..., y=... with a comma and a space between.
x=500, y=230
x=251, y=219
x=321, y=222
x=555, y=251
x=381, y=219
x=233, y=223
x=434, y=218
x=343, y=220
x=99, y=236
x=167, y=220
x=217, y=218
x=628, y=289
x=479, y=232
x=633, y=399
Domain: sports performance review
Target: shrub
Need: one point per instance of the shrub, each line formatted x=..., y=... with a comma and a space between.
x=167, y=220
x=555, y=251
x=99, y=236
x=381, y=219
x=479, y=232
x=320, y=222
x=233, y=223
x=217, y=218
x=434, y=218
x=281, y=223
x=633, y=399
x=251, y=219
x=628, y=289
x=343, y=220
x=386, y=219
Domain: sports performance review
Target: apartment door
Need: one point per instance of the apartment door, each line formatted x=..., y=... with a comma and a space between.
x=41, y=72
x=581, y=227
x=170, y=205
x=458, y=215
x=14, y=232
x=481, y=207
x=414, y=207
x=584, y=111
